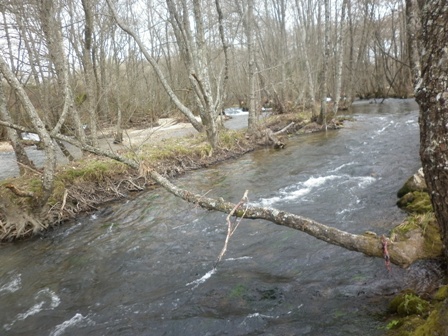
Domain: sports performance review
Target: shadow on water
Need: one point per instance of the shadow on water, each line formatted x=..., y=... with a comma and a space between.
x=145, y=267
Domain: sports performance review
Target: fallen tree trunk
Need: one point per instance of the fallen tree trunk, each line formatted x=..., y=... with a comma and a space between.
x=402, y=253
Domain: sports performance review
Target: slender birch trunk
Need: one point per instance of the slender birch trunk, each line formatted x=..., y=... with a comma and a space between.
x=324, y=76
x=339, y=58
x=39, y=127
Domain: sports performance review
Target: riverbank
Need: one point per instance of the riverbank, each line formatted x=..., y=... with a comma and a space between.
x=86, y=184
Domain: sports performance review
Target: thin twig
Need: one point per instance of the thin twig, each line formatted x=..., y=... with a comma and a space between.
x=28, y=167
x=230, y=229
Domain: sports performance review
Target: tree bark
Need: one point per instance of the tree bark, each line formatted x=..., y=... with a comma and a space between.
x=89, y=74
x=339, y=58
x=431, y=93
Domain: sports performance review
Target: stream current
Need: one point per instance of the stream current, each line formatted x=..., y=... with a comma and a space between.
x=145, y=266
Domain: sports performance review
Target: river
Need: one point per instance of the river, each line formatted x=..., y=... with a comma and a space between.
x=145, y=266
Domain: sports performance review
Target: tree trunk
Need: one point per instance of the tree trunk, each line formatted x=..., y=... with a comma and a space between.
x=39, y=128
x=248, y=25
x=304, y=38
x=431, y=93
x=324, y=77
x=89, y=74
x=21, y=156
x=339, y=59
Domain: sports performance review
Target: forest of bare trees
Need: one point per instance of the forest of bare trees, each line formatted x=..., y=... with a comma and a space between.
x=109, y=62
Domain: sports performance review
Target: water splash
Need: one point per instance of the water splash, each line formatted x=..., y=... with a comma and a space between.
x=203, y=279
x=46, y=293
x=13, y=286
x=77, y=320
x=292, y=193
x=239, y=258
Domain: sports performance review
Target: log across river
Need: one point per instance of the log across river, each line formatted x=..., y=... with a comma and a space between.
x=145, y=266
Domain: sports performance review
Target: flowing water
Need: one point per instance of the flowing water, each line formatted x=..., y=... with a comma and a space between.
x=145, y=266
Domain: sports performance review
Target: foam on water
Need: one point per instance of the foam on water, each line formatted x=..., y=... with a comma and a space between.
x=240, y=258
x=42, y=297
x=204, y=278
x=342, y=167
x=13, y=286
x=298, y=190
x=77, y=320
x=364, y=181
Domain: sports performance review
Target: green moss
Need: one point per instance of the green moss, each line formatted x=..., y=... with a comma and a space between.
x=407, y=303
x=424, y=222
x=433, y=240
x=442, y=293
x=404, y=326
x=394, y=324
x=435, y=324
x=415, y=202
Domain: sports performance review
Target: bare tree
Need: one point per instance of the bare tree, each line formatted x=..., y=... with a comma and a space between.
x=22, y=158
x=39, y=127
x=13, y=135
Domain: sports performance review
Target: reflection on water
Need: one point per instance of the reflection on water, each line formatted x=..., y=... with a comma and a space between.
x=145, y=267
